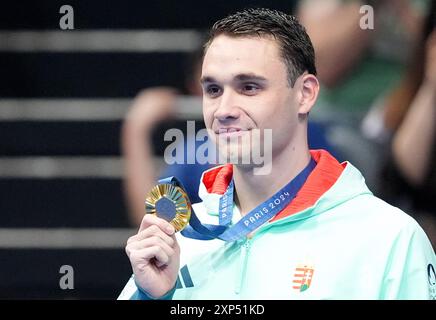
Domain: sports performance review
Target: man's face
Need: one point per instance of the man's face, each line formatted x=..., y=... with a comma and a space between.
x=245, y=87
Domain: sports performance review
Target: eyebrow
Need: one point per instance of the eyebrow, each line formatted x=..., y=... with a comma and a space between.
x=207, y=79
x=249, y=76
x=239, y=77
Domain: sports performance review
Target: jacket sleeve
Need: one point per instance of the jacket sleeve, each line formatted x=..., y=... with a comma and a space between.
x=133, y=292
x=410, y=271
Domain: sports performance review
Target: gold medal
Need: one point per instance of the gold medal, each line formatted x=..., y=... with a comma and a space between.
x=170, y=203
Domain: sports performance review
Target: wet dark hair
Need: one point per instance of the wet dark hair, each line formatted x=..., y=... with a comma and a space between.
x=294, y=43
x=430, y=23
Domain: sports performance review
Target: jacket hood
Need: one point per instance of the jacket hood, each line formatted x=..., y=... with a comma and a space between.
x=329, y=184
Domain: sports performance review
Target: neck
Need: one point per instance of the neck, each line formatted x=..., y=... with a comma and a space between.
x=251, y=190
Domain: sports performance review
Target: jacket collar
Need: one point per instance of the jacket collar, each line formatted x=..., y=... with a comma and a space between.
x=215, y=181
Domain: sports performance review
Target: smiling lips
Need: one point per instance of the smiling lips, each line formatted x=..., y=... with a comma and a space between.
x=231, y=132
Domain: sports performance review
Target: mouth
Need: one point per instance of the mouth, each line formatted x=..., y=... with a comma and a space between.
x=231, y=132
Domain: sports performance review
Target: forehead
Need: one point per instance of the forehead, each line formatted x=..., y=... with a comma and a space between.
x=235, y=55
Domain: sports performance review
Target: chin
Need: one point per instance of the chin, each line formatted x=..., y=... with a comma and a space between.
x=238, y=154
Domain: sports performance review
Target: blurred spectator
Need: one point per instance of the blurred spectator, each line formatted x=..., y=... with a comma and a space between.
x=150, y=108
x=409, y=176
x=357, y=65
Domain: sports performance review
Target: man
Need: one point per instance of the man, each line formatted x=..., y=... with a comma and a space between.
x=326, y=237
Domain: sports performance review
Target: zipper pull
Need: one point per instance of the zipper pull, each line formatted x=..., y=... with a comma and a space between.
x=245, y=247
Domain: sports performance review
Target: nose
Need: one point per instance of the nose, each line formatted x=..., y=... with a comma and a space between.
x=228, y=108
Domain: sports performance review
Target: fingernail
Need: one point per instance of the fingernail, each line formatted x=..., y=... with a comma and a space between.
x=170, y=229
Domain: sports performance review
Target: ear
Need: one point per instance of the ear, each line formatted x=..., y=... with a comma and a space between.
x=308, y=92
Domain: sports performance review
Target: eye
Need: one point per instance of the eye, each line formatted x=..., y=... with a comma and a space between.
x=213, y=90
x=250, y=88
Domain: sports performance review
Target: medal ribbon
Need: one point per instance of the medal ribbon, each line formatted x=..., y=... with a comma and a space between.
x=252, y=220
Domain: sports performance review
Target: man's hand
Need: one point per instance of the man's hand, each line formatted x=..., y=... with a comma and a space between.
x=154, y=255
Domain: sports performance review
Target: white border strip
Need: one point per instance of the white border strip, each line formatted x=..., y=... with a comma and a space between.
x=100, y=41
x=66, y=167
x=186, y=107
x=64, y=238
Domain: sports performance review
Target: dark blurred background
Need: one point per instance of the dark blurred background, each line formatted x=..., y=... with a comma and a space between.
x=62, y=100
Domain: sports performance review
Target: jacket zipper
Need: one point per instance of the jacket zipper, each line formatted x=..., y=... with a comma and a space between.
x=245, y=248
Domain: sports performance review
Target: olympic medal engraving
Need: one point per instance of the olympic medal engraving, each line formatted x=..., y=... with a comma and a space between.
x=170, y=203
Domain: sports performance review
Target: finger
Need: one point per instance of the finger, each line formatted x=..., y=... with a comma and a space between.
x=175, y=242
x=149, y=253
x=153, y=241
x=150, y=219
x=151, y=231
